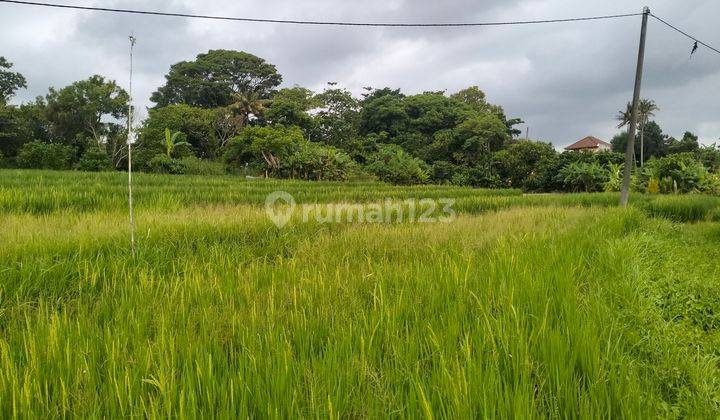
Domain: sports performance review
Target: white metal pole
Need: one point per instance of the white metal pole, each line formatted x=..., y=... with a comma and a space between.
x=129, y=146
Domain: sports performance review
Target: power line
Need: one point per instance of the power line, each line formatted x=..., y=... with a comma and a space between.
x=316, y=22
x=685, y=33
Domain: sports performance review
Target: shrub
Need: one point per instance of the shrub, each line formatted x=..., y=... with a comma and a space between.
x=588, y=177
x=653, y=186
x=314, y=161
x=162, y=164
x=476, y=176
x=443, y=171
x=392, y=164
x=95, y=160
x=39, y=155
x=520, y=164
x=683, y=169
x=615, y=175
x=269, y=146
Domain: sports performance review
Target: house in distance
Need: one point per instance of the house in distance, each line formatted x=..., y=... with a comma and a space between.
x=590, y=143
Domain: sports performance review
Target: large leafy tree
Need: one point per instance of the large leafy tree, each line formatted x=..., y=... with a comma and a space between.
x=655, y=142
x=212, y=78
x=22, y=124
x=269, y=147
x=337, y=119
x=688, y=143
x=476, y=138
x=291, y=106
x=12, y=135
x=10, y=81
x=475, y=98
x=88, y=109
x=521, y=164
x=198, y=126
x=384, y=112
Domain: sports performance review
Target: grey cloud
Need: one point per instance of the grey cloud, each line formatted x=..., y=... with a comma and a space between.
x=565, y=80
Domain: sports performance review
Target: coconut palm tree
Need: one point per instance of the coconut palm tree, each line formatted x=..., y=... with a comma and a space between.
x=171, y=142
x=646, y=109
x=246, y=104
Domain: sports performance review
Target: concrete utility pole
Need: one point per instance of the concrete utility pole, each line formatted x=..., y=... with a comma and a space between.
x=129, y=146
x=630, y=150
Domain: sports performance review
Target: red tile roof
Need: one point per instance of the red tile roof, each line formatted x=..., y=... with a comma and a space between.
x=588, y=142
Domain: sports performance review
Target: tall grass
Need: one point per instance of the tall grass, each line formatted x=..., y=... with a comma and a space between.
x=531, y=310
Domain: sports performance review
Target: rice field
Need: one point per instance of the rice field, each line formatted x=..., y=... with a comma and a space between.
x=524, y=306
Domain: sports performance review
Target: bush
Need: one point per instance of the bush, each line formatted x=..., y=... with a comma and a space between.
x=521, y=164
x=443, y=171
x=682, y=169
x=653, y=186
x=39, y=155
x=587, y=177
x=162, y=164
x=196, y=166
x=392, y=164
x=95, y=160
x=314, y=161
x=476, y=176
x=615, y=175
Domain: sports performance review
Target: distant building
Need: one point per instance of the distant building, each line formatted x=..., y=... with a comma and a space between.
x=590, y=143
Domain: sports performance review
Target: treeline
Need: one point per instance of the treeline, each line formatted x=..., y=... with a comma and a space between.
x=225, y=113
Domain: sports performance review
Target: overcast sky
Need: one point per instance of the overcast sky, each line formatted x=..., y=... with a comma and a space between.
x=565, y=80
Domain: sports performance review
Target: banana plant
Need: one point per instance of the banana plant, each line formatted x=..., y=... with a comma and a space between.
x=171, y=142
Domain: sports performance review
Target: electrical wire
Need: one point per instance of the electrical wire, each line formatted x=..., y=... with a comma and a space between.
x=315, y=22
x=685, y=33
x=366, y=24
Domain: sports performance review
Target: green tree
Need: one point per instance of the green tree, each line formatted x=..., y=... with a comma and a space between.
x=88, y=109
x=709, y=156
x=338, y=117
x=475, y=98
x=212, y=78
x=384, y=113
x=475, y=139
x=291, y=106
x=519, y=165
x=10, y=81
x=655, y=142
x=688, y=143
x=21, y=124
x=268, y=147
x=246, y=105
x=197, y=124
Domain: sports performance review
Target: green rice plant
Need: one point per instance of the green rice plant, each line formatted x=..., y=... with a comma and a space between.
x=530, y=306
x=682, y=208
